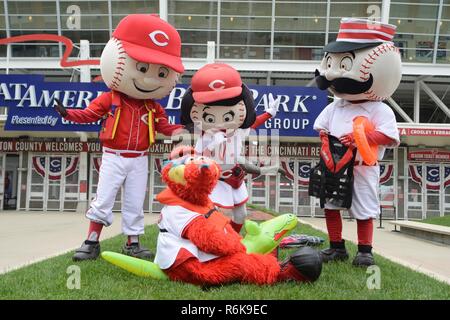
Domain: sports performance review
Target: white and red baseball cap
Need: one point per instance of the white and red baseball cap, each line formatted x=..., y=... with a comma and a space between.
x=215, y=82
x=357, y=34
x=147, y=38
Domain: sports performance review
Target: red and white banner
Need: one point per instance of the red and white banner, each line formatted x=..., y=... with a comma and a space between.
x=54, y=167
x=429, y=155
x=433, y=176
x=49, y=146
x=425, y=132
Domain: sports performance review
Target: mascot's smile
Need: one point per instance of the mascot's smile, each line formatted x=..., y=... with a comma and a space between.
x=142, y=90
x=343, y=85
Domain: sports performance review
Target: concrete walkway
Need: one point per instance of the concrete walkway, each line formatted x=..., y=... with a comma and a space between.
x=420, y=255
x=28, y=237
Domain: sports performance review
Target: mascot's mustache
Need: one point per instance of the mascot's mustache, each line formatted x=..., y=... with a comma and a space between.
x=343, y=85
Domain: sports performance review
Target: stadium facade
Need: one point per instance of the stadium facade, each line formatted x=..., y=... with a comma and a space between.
x=273, y=44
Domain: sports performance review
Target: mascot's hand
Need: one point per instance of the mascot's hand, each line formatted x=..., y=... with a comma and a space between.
x=322, y=135
x=60, y=108
x=347, y=140
x=272, y=108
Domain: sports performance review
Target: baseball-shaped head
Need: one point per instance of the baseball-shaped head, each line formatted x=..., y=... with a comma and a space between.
x=362, y=64
x=191, y=177
x=143, y=57
x=218, y=100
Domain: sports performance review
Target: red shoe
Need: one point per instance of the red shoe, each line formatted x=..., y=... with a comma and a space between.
x=304, y=265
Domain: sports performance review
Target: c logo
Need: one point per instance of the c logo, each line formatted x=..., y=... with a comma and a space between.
x=155, y=41
x=213, y=85
x=144, y=118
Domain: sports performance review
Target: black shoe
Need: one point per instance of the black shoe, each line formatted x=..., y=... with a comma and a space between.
x=88, y=251
x=364, y=257
x=135, y=250
x=336, y=252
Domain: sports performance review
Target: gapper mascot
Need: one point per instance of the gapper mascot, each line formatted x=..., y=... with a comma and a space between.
x=197, y=243
x=223, y=109
x=140, y=63
x=362, y=68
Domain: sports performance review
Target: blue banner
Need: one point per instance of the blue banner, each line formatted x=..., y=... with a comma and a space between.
x=30, y=102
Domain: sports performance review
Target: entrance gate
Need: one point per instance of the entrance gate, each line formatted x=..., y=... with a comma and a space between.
x=428, y=188
x=53, y=182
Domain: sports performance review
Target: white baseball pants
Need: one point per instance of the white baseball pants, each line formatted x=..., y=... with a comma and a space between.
x=116, y=171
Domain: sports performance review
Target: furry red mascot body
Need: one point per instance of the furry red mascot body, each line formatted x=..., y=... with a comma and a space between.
x=197, y=243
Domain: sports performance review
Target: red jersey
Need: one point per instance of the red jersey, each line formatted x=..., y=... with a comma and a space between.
x=132, y=132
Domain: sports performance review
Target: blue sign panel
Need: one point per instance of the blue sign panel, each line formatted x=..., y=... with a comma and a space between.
x=30, y=102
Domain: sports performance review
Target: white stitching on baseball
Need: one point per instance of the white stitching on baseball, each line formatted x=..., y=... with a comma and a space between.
x=118, y=73
x=369, y=61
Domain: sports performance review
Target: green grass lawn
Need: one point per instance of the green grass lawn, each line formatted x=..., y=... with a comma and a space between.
x=442, y=221
x=101, y=280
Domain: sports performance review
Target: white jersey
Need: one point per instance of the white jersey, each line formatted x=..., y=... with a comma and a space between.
x=337, y=119
x=225, y=153
x=174, y=220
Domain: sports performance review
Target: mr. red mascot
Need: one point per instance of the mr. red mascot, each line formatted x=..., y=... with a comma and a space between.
x=197, y=243
x=362, y=68
x=141, y=63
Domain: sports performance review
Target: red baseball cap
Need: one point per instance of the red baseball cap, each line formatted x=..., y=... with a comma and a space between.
x=147, y=38
x=215, y=82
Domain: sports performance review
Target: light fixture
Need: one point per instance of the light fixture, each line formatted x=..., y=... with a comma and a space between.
x=399, y=21
x=189, y=18
x=316, y=20
x=231, y=19
x=30, y=18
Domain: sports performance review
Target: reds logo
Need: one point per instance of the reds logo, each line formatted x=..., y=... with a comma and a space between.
x=144, y=118
x=153, y=35
x=217, y=85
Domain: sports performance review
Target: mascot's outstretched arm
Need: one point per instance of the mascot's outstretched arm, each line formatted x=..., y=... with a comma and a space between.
x=209, y=238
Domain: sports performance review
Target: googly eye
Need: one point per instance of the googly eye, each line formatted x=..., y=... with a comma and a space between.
x=209, y=118
x=329, y=61
x=346, y=63
x=163, y=72
x=142, y=67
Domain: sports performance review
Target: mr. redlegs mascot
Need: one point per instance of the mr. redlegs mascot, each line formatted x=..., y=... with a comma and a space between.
x=197, y=243
x=140, y=63
x=363, y=68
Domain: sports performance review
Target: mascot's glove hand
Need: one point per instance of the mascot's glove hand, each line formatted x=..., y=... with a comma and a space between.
x=272, y=108
x=347, y=140
x=323, y=134
x=60, y=108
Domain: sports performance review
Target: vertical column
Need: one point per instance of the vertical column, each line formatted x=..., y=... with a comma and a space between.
x=417, y=101
x=163, y=10
x=272, y=30
x=438, y=31
x=385, y=9
x=211, y=52
x=85, y=76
